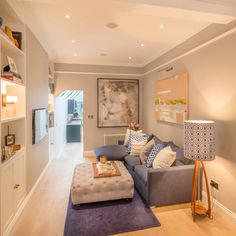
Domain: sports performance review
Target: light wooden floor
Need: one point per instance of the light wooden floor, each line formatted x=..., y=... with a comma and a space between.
x=45, y=213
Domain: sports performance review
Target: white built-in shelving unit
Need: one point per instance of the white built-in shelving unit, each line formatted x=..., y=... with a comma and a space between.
x=12, y=170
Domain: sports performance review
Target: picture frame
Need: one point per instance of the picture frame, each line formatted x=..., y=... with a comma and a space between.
x=117, y=102
x=9, y=139
x=171, y=103
x=12, y=65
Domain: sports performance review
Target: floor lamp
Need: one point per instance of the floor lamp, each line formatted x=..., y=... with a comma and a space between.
x=199, y=145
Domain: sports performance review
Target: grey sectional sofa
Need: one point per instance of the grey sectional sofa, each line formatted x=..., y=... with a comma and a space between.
x=161, y=186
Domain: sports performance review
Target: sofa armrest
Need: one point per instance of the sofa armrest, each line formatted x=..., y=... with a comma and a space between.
x=170, y=185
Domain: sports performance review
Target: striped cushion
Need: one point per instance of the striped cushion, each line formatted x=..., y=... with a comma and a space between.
x=137, y=137
x=137, y=146
x=155, y=150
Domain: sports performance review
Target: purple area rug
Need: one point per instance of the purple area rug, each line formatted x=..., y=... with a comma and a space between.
x=107, y=218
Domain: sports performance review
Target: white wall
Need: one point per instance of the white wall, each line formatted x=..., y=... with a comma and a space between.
x=212, y=95
x=60, y=119
x=36, y=97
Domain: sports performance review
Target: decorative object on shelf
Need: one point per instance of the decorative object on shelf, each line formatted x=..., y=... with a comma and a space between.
x=18, y=38
x=199, y=146
x=10, y=108
x=9, y=138
x=118, y=102
x=134, y=126
x=9, y=33
x=171, y=103
x=7, y=152
x=16, y=147
x=12, y=65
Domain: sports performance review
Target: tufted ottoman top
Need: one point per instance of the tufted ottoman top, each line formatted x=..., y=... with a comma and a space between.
x=85, y=188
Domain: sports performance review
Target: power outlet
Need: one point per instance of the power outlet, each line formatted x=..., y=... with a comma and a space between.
x=214, y=185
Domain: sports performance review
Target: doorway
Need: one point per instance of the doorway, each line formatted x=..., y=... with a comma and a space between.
x=69, y=110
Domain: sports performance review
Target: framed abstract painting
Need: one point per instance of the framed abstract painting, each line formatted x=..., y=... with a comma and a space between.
x=171, y=104
x=118, y=102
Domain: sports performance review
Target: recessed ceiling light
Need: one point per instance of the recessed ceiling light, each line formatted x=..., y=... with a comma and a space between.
x=103, y=54
x=142, y=44
x=111, y=25
x=67, y=16
x=73, y=41
x=75, y=54
x=130, y=58
x=161, y=26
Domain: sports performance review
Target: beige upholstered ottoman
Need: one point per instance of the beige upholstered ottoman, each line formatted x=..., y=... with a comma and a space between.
x=85, y=188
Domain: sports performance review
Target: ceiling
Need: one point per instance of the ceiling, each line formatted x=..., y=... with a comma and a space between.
x=94, y=43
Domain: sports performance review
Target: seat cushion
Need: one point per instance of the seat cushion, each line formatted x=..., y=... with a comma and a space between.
x=141, y=171
x=113, y=152
x=132, y=161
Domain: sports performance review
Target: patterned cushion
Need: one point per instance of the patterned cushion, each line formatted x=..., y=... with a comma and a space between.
x=137, y=137
x=137, y=146
x=155, y=150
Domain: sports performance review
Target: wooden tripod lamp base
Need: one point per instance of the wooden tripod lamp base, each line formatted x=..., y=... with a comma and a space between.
x=196, y=206
x=199, y=145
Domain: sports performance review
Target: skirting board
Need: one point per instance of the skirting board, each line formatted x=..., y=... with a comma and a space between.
x=25, y=201
x=221, y=210
x=89, y=153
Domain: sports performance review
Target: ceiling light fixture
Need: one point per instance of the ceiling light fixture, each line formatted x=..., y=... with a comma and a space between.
x=130, y=58
x=111, y=25
x=73, y=41
x=161, y=26
x=142, y=44
x=67, y=16
x=103, y=54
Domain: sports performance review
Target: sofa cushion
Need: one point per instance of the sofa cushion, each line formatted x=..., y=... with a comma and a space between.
x=141, y=172
x=180, y=154
x=136, y=147
x=137, y=137
x=165, y=158
x=113, y=152
x=146, y=150
x=132, y=161
x=155, y=150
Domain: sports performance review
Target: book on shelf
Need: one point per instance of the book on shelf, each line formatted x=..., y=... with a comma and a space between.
x=11, y=76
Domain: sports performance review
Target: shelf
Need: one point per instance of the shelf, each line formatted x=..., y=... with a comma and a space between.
x=12, y=83
x=17, y=153
x=10, y=119
x=8, y=46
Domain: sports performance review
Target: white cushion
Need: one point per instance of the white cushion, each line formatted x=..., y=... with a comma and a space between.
x=146, y=150
x=127, y=137
x=126, y=141
x=137, y=146
x=165, y=158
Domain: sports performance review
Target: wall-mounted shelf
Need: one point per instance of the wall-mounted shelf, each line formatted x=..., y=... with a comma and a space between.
x=10, y=119
x=8, y=46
